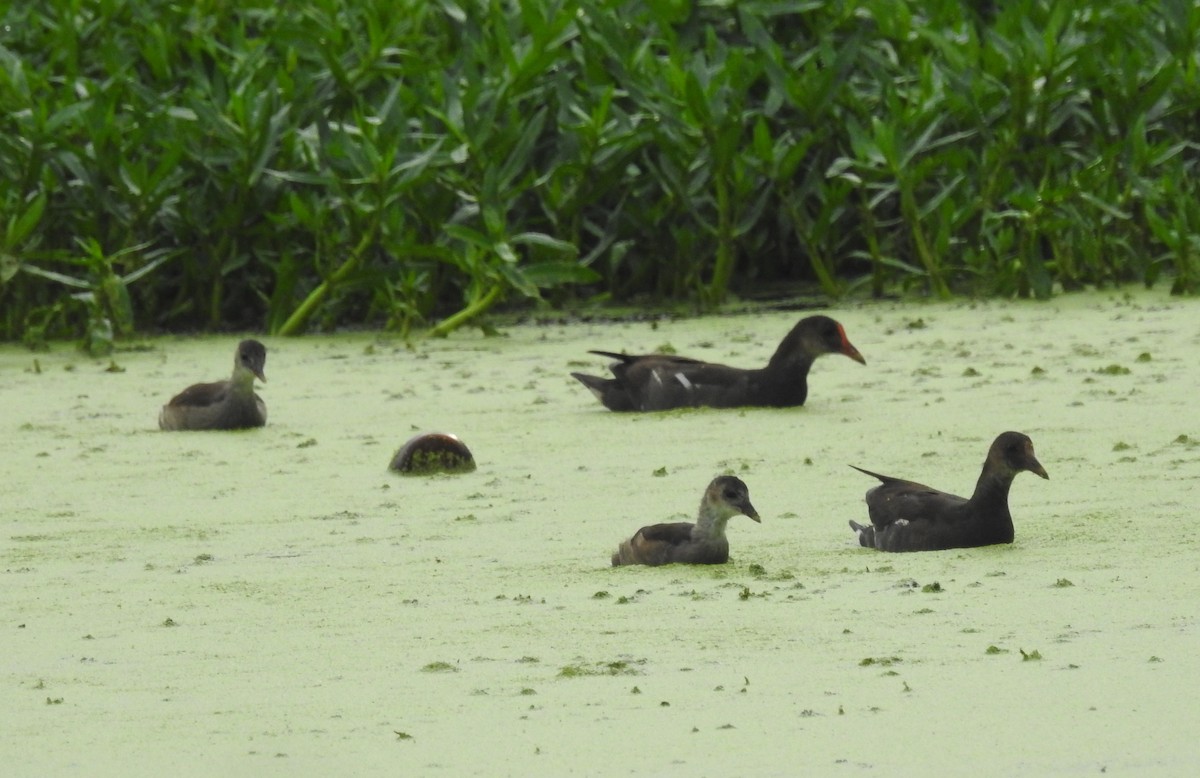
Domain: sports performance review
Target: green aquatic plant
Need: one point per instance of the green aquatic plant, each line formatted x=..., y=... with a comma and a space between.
x=439, y=667
x=616, y=667
x=416, y=165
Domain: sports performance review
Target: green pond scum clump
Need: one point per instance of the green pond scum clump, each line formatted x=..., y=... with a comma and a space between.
x=617, y=667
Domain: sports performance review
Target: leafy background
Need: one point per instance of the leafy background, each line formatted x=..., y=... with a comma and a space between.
x=412, y=163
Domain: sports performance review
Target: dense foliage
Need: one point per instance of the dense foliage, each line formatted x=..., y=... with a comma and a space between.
x=279, y=166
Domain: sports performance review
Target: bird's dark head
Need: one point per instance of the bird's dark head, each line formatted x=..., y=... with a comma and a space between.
x=729, y=496
x=1014, y=452
x=252, y=356
x=813, y=336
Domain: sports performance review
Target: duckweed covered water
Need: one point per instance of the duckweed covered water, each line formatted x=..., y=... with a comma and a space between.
x=275, y=602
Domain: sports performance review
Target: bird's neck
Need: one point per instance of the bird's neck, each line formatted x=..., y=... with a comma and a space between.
x=710, y=524
x=787, y=359
x=242, y=381
x=992, y=487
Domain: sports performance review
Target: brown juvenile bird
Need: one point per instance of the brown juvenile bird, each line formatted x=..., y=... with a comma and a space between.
x=222, y=405
x=656, y=382
x=907, y=516
x=702, y=543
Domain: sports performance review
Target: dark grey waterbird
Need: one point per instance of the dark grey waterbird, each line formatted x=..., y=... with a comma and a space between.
x=908, y=516
x=656, y=382
x=222, y=405
x=702, y=543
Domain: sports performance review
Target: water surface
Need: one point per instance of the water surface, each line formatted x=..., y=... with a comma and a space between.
x=274, y=602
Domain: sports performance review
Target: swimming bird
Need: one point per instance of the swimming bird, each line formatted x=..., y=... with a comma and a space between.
x=656, y=382
x=907, y=516
x=222, y=405
x=702, y=543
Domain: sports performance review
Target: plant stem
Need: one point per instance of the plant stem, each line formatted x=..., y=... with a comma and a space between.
x=296, y=321
x=908, y=205
x=476, y=307
x=724, y=266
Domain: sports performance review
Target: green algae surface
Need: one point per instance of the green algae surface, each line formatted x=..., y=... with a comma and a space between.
x=275, y=602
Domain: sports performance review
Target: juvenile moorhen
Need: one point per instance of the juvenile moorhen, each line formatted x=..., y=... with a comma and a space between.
x=222, y=405
x=656, y=382
x=702, y=543
x=907, y=516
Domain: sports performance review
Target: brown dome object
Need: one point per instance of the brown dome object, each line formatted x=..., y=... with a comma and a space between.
x=433, y=452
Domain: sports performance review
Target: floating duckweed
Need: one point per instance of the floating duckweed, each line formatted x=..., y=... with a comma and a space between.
x=618, y=667
x=439, y=667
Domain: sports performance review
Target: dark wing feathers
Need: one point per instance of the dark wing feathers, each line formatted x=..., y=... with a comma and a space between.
x=628, y=359
x=895, y=499
x=673, y=534
x=201, y=395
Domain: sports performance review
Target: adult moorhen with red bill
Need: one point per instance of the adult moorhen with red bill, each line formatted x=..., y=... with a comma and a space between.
x=656, y=382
